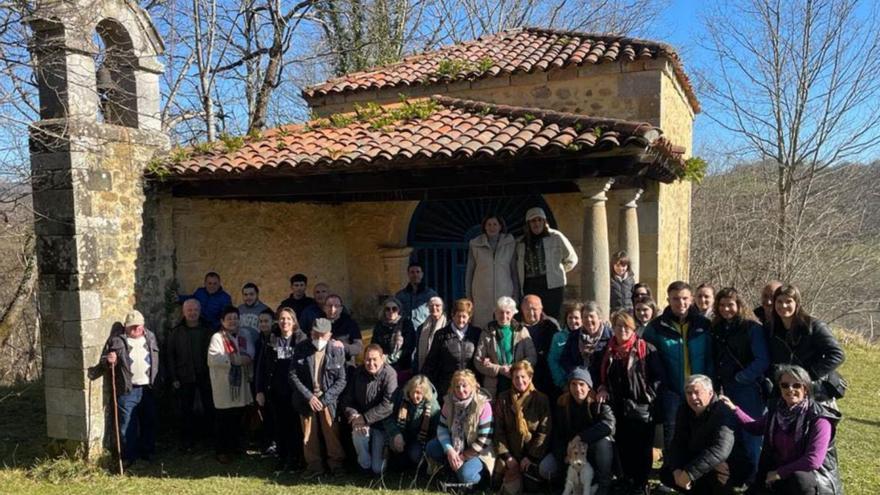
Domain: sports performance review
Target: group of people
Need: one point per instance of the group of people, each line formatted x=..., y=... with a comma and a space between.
x=495, y=392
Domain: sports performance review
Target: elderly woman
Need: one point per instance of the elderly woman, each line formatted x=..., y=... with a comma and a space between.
x=453, y=347
x=412, y=423
x=573, y=315
x=630, y=373
x=543, y=257
x=587, y=346
x=522, y=430
x=491, y=268
x=504, y=342
x=799, y=456
x=395, y=334
x=464, y=436
x=425, y=333
x=739, y=351
x=797, y=338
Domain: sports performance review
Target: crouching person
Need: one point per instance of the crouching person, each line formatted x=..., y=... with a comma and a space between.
x=412, y=423
x=522, y=431
x=317, y=376
x=697, y=459
x=135, y=356
x=367, y=404
x=464, y=436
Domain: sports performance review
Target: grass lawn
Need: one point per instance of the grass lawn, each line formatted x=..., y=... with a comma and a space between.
x=22, y=436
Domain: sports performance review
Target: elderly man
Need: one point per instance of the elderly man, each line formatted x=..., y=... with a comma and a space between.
x=187, y=368
x=414, y=297
x=212, y=297
x=317, y=376
x=764, y=312
x=135, y=356
x=542, y=328
x=697, y=460
x=316, y=310
x=346, y=333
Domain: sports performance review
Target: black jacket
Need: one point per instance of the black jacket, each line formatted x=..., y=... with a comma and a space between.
x=701, y=443
x=272, y=373
x=297, y=305
x=542, y=334
x=346, y=330
x=118, y=344
x=371, y=396
x=448, y=354
x=813, y=348
x=621, y=292
x=572, y=358
x=332, y=380
x=385, y=335
x=590, y=421
x=635, y=379
x=180, y=363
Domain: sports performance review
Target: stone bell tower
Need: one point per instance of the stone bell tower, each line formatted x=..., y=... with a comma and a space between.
x=97, y=68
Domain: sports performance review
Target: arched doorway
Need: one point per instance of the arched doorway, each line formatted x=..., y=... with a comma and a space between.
x=440, y=230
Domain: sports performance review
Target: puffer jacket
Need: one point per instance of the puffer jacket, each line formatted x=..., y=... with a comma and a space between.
x=371, y=395
x=663, y=333
x=509, y=441
x=813, y=348
x=448, y=354
x=621, y=292
x=701, y=443
x=487, y=347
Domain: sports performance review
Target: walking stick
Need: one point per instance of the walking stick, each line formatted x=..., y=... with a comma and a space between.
x=116, y=418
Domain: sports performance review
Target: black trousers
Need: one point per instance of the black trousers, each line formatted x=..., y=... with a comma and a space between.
x=228, y=434
x=706, y=485
x=799, y=483
x=550, y=298
x=189, y=422
x=288, y=428
x=634, y=440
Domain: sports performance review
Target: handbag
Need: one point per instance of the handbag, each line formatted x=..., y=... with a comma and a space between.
x=637, y=412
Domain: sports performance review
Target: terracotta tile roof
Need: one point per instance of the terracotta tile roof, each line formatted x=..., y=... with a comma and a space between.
x=524, y=50
x=454, y=132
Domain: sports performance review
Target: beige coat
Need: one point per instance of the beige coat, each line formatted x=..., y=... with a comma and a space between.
x=490, y=275
x=487, y=347
x=559, y=255
x=218, y=370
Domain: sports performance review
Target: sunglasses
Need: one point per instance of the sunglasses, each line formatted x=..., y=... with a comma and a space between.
x=392, y=309
x=793, y=386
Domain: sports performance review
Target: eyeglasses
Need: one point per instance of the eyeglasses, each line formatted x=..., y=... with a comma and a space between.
x=793, y=386
x=392, y=310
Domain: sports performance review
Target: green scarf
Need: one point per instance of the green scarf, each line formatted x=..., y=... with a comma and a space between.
x=505, y=346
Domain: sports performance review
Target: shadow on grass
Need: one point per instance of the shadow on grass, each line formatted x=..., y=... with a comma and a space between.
x=22, y=424
x=867, y=422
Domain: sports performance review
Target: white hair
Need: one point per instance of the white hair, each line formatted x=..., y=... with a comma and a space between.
x=701, y=380
x=506, y=303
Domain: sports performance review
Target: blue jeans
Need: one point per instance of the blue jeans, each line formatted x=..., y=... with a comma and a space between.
x=748, y=398
x=137, y=423
x=470, y=472
x=370, y=450
x=669, y=402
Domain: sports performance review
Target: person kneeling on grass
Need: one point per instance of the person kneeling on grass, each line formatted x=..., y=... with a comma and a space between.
x=367, y=404
x=413, y=422
x=464, y=437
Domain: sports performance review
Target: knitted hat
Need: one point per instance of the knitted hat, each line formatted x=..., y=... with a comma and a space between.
x=322, y=325
x=134, y=318
x=581, y=374
x=535, y=213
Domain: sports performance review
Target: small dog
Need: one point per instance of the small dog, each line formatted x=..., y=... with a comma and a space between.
x=579, y=479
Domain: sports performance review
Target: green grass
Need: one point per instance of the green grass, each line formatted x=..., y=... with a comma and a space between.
x=22, y=439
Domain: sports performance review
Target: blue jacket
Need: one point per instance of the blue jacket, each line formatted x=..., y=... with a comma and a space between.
x=571, y=357
x=415, y=302
x=663, y=333
x=212, y=304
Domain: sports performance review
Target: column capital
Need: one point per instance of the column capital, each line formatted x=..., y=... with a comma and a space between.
x=594, y=189
x=630, y=197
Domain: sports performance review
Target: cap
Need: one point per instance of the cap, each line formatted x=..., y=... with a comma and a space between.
x=535, y=213
x=134, y=318
x=322, y=325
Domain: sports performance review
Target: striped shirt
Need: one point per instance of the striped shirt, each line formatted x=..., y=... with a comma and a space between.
x=484, y=430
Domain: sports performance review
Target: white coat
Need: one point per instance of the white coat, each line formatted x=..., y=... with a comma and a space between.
x=490, y=274
x=559, y=258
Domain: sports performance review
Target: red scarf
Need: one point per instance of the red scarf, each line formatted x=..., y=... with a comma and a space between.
x=228, y=346
x=622, y=352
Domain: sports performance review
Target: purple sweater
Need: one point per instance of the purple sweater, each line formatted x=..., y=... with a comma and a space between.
x=785, y=452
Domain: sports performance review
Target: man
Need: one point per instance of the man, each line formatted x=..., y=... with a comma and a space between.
x=541, y=328
x=250, y=311
x=681, y=336
x=697, y=460
x=764, y=312
x=317, y=377
x=414, y=297
x=315, y=311
x=135, y=355
x=346, y=334
x=188, y=370
x=212, y=298
x=298, y=300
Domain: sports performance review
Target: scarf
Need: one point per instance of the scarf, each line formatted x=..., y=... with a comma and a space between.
x=426, y=336
x=621, y=351
x=235, y=374
x=505, y=345
x=587, y=343
x=520, y=403
x=534, y=259
x=459, y=430
x=790, y=419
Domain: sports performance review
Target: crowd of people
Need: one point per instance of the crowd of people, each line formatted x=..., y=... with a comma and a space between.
x=498, y=389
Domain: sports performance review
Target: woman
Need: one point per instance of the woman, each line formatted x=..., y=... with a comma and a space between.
x=491, y=268
x=273, y=388
x=644, y=310
x=579, y=414
x=622, y=282
x=587, y=346
x=799, y=456
x=543, y=257
x=639, y=291
x=522, y=430
x=395, y=334
x=425, y=334
x=453, y=347
x=739, y=351
x=705, y=299
x=504, y=342
x=798, y=338
x=630, y=374
x=464, y=436
x=573, y=314
x=412, y=423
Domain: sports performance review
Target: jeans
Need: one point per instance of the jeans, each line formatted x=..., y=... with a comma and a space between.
x=409, y=458
x=748, y=398
x=137, y=423
x=669, y=402
x=470, y=472
x=370, y=449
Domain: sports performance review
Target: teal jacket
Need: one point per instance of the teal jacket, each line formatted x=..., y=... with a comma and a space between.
x=554, y=357
x=663, y=334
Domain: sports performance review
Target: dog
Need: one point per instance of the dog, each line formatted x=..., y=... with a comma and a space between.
x=579, y=478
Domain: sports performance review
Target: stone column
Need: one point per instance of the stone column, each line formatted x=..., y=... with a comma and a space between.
x=395, y=261
x=595, y=258
x=628, y=232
